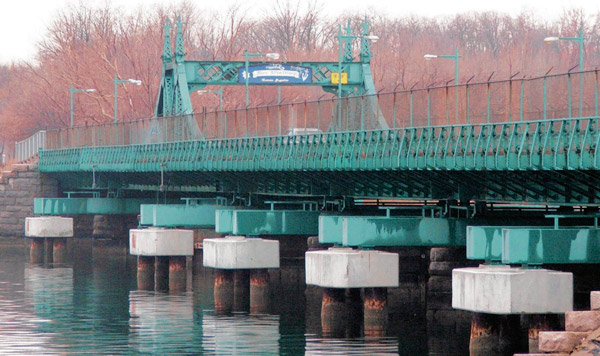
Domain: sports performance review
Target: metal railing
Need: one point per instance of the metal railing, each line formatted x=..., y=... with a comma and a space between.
x=30, y=147
x=550, y=97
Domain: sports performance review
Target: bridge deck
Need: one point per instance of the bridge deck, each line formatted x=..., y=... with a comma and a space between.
x=551, y=160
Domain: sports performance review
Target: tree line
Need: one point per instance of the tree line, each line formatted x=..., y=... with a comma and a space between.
x=86, y=46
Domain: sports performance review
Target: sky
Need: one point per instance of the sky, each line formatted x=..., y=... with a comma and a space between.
x=23, y=23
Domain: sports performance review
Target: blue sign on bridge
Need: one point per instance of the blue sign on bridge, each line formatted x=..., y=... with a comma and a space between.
x=275, y=73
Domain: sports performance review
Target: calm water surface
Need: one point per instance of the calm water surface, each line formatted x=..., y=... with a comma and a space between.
x=91, y=306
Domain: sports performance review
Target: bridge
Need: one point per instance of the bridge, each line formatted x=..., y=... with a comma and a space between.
x=364, y=169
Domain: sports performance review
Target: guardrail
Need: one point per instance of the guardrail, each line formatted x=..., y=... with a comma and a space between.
x=30, y=146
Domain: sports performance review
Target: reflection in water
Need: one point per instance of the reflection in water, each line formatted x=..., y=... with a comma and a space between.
x=163, y=323
x=94, y=308
x=357, y=346
x=241, y=334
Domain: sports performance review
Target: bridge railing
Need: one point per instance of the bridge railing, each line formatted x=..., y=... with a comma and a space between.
x=518, y=99
x=30, y=146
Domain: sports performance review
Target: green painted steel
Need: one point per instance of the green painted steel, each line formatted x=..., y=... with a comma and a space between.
x=537, y=145
x=370, y=231
x=75, y=206
x=267, y=222
x=535, y=246
x=330, y=229
x=200, y=214
x=224, y=220
x=181, y=77
x=484, y=243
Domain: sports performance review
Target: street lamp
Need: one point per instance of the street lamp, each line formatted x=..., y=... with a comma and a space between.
x=340, y=38
x=579, y=39
x=254, y=55
x=117, y=82
x=455, y=57
x=73, y=91
x=216, y=91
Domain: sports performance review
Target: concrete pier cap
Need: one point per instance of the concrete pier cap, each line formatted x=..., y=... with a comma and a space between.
x=48, y=226
x=161, y=242
x=239, y=252
x=351, y=268
x=511, y=290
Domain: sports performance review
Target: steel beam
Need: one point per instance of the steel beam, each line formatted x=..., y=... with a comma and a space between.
x=77, y=206
x=370, y=231
x=173, y=215
x=266, y=222
x=534, y=245
x=541, y=246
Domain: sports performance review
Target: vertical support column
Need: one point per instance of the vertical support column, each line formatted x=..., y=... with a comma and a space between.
x=354, y=304
x=260, y=293
x=241, y=290
x=48, y=250
x=540, y=322
x=375, y=311
x=333, y=312
x=223, y=290
x=493, y=334
x=145, y=272
x=177, y=273
x=36, y=251
x=59, y=249
x=161, y=274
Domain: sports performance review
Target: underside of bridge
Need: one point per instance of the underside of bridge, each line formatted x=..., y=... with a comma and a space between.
x=558, y=187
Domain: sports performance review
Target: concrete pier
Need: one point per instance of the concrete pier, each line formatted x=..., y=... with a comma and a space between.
x=494, y=335
x=241, y=290
x=223, y=291
x=161, y=274
x=498, y=295
x=375, y=311
x=177, y=273
x=169, y=247
x=48, y=235
x=338, y=269
x=59, y=250
x=260, y=292
x=145, y=272
x=36, y=251
x=231, y=257
x=334, y=313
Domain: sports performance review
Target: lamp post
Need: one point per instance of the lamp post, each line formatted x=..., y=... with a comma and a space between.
x=73, y=91
x=455, y=57
x=216, y=91
x=340, y=38
x=246, y=74
x=119, y=81
x=579, y=39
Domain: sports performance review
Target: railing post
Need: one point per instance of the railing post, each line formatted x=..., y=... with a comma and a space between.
x=319, y=114
x=521, y=100
x=510, y=100
x=545, y=98
x=467, y=93
x=362, y=113
x=447, y=106
x=596, y=94
x=488, y=103
x=569, y=94
x=428, y=107
x=411, y=109
x=394, y=111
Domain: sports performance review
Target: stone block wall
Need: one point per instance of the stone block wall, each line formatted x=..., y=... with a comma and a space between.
x=18, y=188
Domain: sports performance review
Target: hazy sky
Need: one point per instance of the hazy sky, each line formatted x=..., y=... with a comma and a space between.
x=24, y=22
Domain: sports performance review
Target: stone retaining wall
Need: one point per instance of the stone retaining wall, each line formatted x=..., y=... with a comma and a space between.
x=18, y=188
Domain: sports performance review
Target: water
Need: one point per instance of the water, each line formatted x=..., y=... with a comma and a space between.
x=91, y=306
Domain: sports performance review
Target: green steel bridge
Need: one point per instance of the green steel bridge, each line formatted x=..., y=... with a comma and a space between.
x=519, y=142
